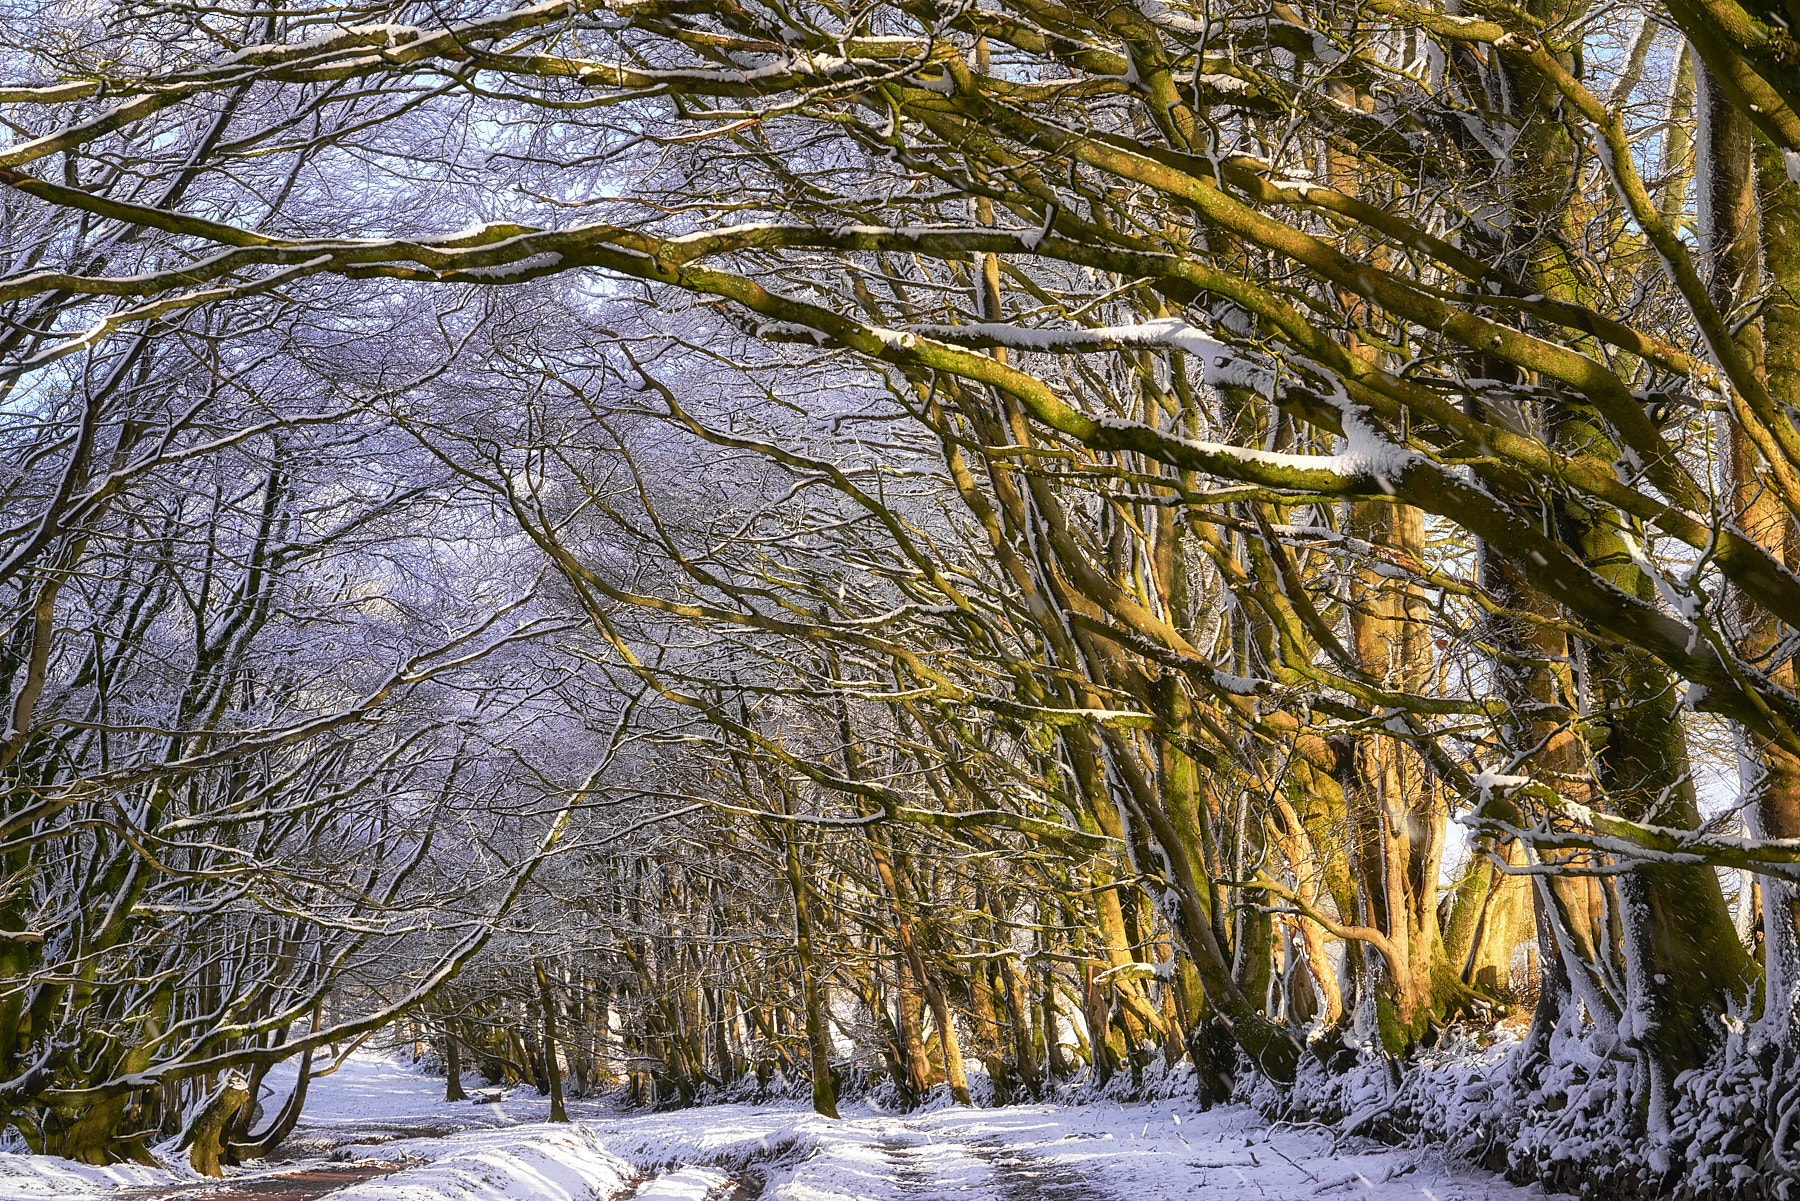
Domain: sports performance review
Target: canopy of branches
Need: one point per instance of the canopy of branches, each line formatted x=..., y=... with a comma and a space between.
x=841, y=540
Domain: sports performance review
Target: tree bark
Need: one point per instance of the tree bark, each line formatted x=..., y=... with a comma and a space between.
x=453, y=1085
x=203, y=1138
x=818, y=1035
x=552, y=1069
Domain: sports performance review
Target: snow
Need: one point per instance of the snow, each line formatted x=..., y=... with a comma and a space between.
x=1222, y=364
x=1240, y=685
x=371, y=1087
x=1227, y=84
x=1163, y=15
x=895, y=338
x=1107, y=1151
x=684, y=1184
x=28, y=1177
x=536, y=262
x=1368, y=453
x=1103, y=1150
x=555, y=1163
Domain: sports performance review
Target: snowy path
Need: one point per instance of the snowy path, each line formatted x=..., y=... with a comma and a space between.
x=375, y=1114
x=1147, y=1152
x=988, y=1167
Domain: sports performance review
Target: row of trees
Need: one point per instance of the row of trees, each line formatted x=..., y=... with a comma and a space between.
x=226, y=789
x=706, y=969
x=1076, y=499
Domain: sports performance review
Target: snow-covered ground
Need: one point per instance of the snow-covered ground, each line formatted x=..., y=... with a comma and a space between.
x=375, y=1107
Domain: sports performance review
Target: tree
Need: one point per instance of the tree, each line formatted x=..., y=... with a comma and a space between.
x=223, y=778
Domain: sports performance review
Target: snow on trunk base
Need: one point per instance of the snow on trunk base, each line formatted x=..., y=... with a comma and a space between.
x=542, y=1163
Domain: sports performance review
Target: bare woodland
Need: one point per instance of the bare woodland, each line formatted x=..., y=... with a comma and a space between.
x=695, y=544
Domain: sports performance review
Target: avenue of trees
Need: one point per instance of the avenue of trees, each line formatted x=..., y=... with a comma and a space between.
x=681, y=543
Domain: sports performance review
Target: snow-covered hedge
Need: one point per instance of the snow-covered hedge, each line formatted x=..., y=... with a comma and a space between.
x=1573, y=1123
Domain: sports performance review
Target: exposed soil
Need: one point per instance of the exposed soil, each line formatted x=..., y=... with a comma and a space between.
x=310, y=1144
x=303, y=1185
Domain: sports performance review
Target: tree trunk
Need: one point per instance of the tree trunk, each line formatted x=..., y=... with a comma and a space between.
x=259, y=1145
x=552, y=1069
x=818, y=1035
x=453, y=1085
x=1020, y=1012
x=203, y=1138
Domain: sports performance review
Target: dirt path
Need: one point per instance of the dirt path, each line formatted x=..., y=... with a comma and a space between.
x=304, y=1184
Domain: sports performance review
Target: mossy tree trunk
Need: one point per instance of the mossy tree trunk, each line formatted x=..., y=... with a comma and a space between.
x=552, y=1068
x=204, y=1136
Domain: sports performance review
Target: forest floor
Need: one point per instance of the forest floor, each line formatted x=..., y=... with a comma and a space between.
x=378, y=1130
